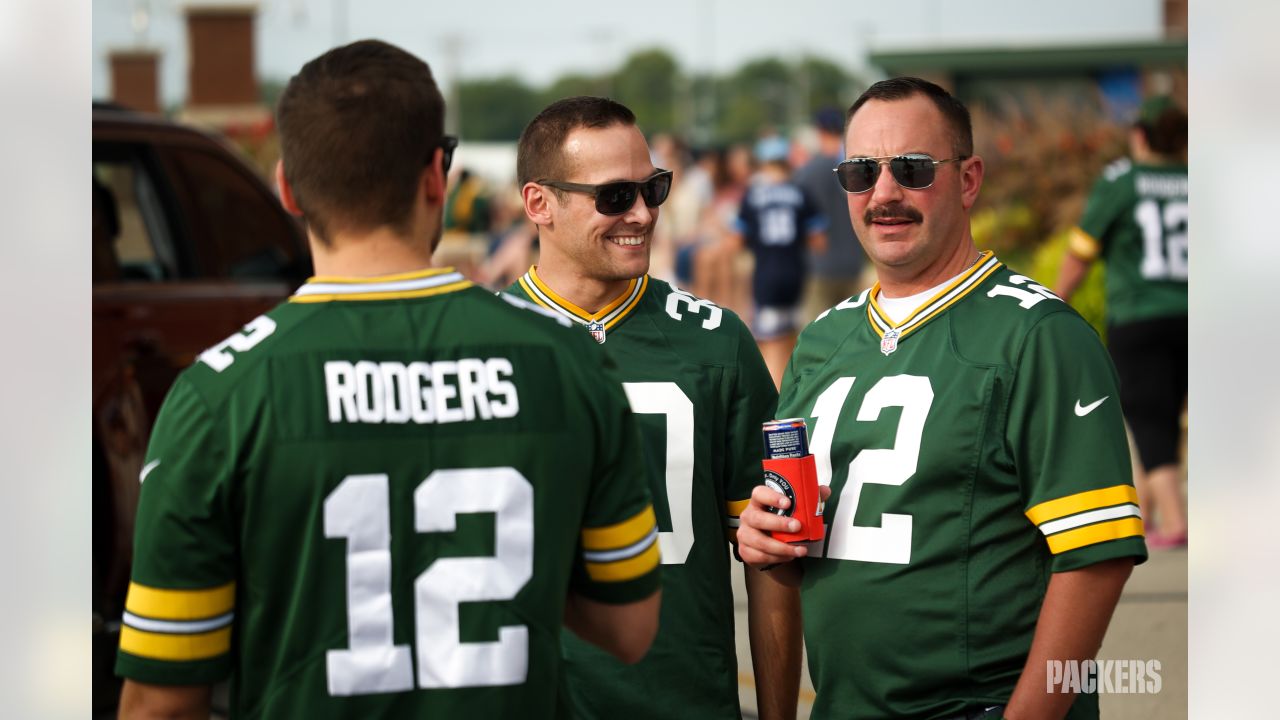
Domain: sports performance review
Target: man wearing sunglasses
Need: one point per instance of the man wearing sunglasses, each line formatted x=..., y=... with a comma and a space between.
x=700, y=390
x=981, y=518
x=357, y=507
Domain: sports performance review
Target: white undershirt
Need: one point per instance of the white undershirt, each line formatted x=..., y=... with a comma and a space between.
x=899, y=309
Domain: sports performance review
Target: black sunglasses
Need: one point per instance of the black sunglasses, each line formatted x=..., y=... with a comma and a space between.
x=615, y=198
x=914, y=172
x=448, y=144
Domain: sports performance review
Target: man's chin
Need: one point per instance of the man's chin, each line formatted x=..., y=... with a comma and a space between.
x=631, y=269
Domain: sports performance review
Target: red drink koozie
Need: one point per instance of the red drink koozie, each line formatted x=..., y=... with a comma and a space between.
x=797, y=478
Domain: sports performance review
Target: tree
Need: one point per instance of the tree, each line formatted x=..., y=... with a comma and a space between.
x=573, y=85
x=648, y=82
x=827, y=84
x=496, y=109
x=754, y=98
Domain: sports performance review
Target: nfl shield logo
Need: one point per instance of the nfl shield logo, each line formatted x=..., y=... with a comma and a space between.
x=596, y=329
x=889, y=342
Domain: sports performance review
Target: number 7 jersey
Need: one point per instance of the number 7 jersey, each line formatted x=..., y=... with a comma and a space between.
x=700, y=391
x=972, y=450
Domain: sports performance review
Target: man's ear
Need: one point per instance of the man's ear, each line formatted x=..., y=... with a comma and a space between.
x=432, y=181
x=286, y=191
x=537, y=203
x=971, y=172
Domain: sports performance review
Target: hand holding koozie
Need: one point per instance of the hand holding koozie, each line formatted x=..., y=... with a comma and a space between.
x=789, y=469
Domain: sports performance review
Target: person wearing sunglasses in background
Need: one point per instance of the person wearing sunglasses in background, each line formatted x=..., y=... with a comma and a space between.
x=1136, y=222
x=981, y=516
x=700, y=391
x=359, y=506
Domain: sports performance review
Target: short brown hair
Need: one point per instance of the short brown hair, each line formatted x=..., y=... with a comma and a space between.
x=1164, y=124
x=902, y=88
x=540, y=154
x=357, y=126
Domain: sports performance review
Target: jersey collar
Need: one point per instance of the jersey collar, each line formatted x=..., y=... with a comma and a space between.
x=422, y=283
x=608, y=316
x=934, y=306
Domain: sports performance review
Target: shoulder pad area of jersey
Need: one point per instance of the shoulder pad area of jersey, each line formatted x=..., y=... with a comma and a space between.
x=1117, y=168
x=526, y=305
x=684, y=306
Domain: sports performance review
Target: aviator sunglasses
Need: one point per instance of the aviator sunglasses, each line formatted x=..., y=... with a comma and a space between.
x=615, y=198
x=914, y=171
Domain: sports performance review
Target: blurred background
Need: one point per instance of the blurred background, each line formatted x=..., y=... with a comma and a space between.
x=1053, y=88
x=190, y=240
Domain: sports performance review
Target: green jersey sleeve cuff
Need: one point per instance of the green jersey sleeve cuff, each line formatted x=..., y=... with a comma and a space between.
x=1134, y=546
x=160, y=672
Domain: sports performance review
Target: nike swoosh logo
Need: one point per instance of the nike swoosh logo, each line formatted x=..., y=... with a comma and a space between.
x=1085, y=410
x=146, y=469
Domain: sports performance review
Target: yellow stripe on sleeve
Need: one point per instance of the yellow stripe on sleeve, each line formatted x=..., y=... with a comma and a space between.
x=1092, y=534
x=627, y=532
x=1083, y=245
x=1090, y=500
x=162, y=646
x=624, y=570
x=735, y=507
x=160, y=604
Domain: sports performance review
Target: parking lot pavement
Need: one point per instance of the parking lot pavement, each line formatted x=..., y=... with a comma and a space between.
x=1150, y=623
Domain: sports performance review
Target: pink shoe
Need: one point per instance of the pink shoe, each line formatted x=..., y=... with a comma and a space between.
x=1161, y=541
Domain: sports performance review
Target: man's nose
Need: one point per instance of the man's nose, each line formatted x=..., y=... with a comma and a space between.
x=640, y=213
x=886, y=189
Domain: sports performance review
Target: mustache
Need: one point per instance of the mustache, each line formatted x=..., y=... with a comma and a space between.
x=897, y=211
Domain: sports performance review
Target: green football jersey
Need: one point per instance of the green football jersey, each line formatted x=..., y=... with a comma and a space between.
x=972, y=450
x=700, y=390
x=372, y=502
x=1136, y=220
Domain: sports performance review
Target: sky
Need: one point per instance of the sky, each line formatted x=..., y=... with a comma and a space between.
x=539, y=42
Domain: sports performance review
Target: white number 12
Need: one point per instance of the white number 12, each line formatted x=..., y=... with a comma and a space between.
x=891, y=541
x=358, y=510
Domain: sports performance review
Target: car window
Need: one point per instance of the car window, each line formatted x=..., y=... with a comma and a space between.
x=239, y=231
x=132, y=239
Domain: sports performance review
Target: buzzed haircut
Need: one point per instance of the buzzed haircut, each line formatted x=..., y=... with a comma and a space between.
x=540, y=154
x=902, y=88
x=1166, y=133
x=357, y=127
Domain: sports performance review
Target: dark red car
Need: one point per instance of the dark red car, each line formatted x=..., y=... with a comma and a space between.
x=189, y=244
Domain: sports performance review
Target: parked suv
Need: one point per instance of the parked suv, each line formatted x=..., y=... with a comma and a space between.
x=189, y=244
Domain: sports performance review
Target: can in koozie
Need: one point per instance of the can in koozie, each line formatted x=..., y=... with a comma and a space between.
x=789, y=469
x=787, y=438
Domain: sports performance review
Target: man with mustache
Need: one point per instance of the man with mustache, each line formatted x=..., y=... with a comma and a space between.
x=700, y=392
x=981, y=515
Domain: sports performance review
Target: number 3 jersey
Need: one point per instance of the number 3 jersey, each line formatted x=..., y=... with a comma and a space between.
x=972, y=450
x=373, y=501
x=700, y=392
x=1136, y=220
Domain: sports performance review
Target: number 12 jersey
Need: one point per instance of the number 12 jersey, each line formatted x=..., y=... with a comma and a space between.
x=372, y=502
x=972, y=450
